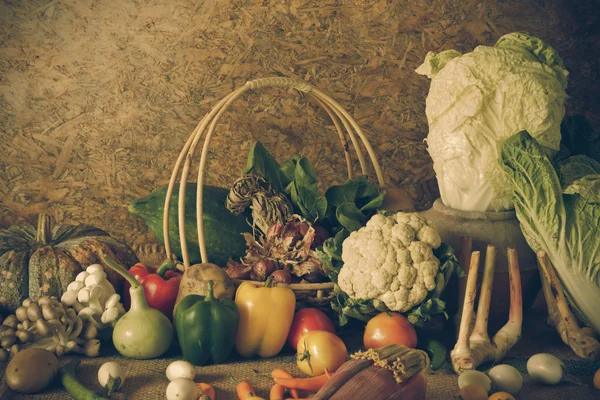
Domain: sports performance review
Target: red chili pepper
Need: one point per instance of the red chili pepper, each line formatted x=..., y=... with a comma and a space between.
x=161, y=285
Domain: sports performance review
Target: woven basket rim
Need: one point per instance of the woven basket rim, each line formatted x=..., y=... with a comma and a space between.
x=206, y=127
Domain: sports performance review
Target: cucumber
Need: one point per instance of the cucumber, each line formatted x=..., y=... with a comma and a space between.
x=222, y=230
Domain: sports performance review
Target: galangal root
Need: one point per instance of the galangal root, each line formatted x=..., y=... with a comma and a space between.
x=474, y=349
x=560, y=315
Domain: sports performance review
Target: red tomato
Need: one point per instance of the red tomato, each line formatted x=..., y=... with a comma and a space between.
x=318, y=351
x=306, y=320
x=392, y=328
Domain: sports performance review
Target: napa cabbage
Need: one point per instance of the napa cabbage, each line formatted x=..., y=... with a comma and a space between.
x=476, y=101
x=559, y=212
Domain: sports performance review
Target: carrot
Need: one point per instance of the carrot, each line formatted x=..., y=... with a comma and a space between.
x=207, y=390
x=244, y=390
x=312, y=384
x=277, y=392
x=281, y=373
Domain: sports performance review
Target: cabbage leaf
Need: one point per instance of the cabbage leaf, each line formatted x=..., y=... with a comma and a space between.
x=559, y=213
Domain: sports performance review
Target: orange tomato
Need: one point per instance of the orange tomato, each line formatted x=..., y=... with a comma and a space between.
x=320, y=350
x=389, y=328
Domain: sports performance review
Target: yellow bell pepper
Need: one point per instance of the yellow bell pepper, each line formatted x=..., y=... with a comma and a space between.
x=266, y=315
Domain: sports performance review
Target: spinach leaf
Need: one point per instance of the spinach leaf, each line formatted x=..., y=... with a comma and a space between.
x=349, y=216
x=288, y=169
x=305, y=193
x=261, y=162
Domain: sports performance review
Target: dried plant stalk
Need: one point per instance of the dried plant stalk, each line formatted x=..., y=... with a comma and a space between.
x=474, y=349
x=560, y=315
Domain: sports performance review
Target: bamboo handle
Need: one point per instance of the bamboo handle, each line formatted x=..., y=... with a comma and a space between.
x=206, y=128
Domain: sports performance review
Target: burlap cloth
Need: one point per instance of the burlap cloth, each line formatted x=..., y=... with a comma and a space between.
x=146, y=379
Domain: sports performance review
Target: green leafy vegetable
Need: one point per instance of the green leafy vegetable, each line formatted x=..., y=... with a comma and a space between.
x=565, y=226
x=349, y=216
x=305, y=192
x=262, y=163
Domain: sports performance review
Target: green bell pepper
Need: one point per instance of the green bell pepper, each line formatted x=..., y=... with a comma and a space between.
x=206, y=327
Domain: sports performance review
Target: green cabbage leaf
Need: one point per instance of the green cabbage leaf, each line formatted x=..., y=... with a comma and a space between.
x=559, y=213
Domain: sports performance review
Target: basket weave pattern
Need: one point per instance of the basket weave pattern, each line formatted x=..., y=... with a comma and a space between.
x=307, y=294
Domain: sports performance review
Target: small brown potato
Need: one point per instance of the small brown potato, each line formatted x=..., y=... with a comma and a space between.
x=501, y=396
x=473, y=392
x=597, y=379
x=195, y=281
x=31, y=370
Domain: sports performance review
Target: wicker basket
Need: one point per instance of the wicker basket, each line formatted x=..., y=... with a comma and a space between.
x=307, y=294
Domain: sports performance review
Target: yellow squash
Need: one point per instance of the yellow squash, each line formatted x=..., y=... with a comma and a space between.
x=266, y=315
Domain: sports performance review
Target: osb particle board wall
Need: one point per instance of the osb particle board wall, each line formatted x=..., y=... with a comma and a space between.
x=98, y=97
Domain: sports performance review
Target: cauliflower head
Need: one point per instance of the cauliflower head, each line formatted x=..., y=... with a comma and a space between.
x=391, y=259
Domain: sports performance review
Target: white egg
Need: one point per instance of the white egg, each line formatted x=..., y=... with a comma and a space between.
x=506, y=378
x=545, y=368
x=473, y=376
x=182, y=389
x=180, y=369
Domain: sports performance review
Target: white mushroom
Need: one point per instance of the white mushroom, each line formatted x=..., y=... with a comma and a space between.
x=81, y=276
x=84, y=296
x=95, y=279
x=95, y=268
x=75, y=286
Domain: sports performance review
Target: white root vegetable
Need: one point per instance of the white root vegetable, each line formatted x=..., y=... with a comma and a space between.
x=545, y=368
x=182, y=389
x=581, y=341
x=110, y=377
x=472, y=350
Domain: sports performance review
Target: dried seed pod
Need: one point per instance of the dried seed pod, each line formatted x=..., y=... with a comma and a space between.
x=21, y=313
x=33, y=312
x=10, y=321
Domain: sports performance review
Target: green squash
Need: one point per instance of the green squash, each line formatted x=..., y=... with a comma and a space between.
x=222, y=230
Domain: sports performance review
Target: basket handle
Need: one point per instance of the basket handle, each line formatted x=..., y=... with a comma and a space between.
x=207, y=125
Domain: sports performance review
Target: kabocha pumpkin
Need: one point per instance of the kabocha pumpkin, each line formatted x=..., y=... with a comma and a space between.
x=43, y=260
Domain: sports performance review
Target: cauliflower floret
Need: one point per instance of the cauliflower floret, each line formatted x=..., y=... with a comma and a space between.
x=391, y=259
